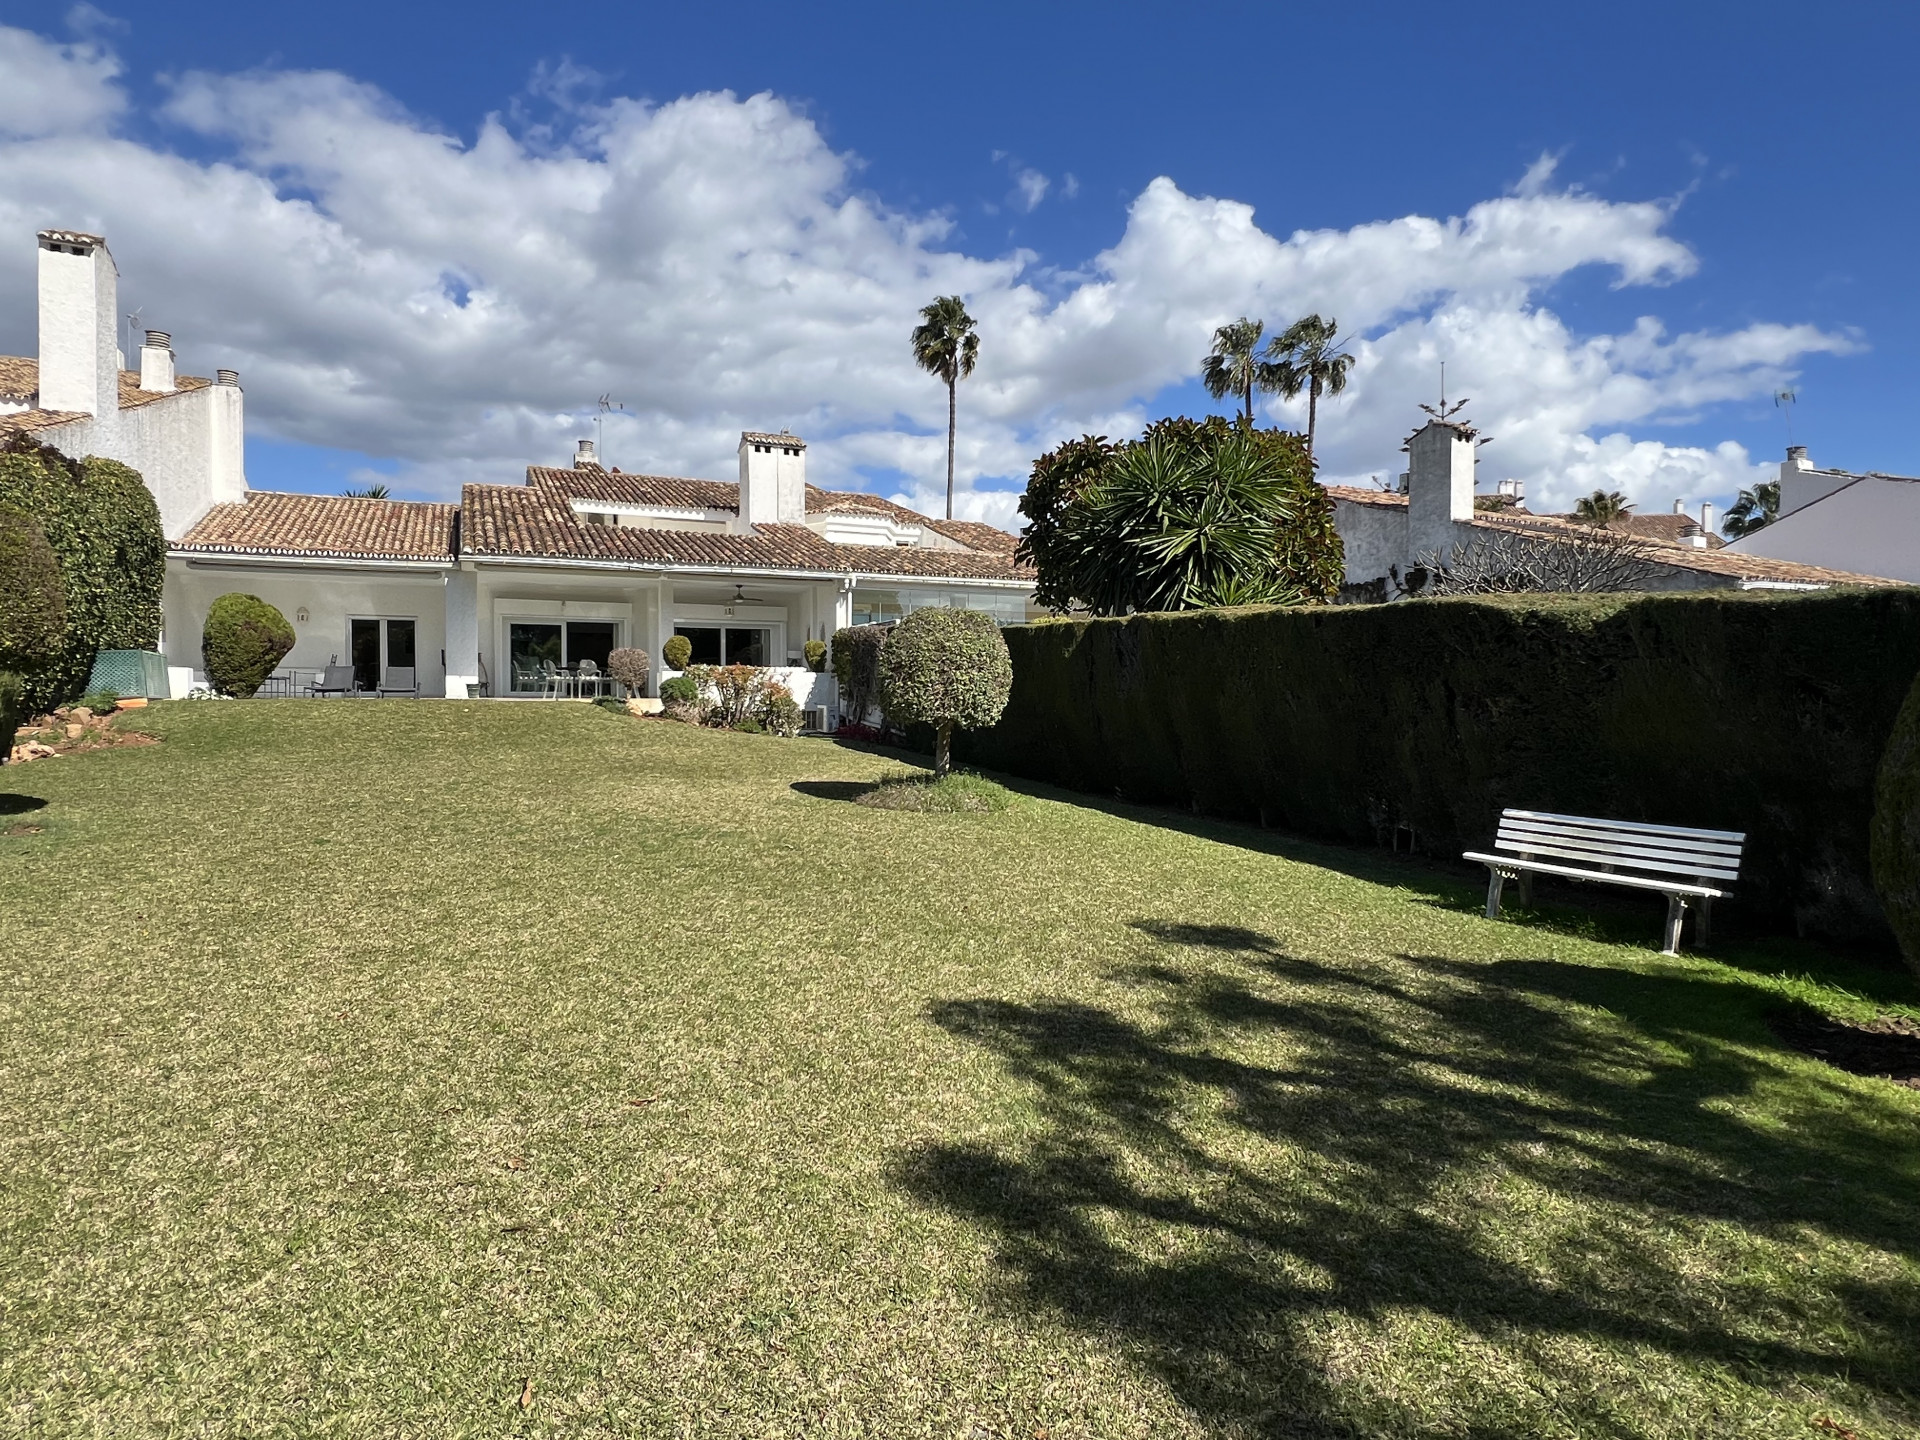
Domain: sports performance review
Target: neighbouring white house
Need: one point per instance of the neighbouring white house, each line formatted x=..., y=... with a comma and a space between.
x=1833, y=517
x=479, y=596
x=1389, y=534
x=183, y=433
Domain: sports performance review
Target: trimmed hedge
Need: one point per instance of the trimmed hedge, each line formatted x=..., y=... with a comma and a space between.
x=33, y=614
x=1759, y=712
x=1896, y=830
x=104, y=528
x=244, y=639
x=856, y=666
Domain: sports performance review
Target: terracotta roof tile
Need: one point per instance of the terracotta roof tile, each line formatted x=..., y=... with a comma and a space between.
x=274, y=523
x=759, y=437
x=1729, y=563
x=20, y=380
x=535, y=521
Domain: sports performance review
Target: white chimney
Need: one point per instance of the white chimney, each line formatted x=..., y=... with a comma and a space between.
x=1439, y=489
x=773, y=479
x=79, y=324
x=1679, y=507
x=1706, y=518
x=583, y=456
x=156, y=362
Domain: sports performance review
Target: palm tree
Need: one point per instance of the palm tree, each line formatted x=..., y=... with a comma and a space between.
x=1601, y=508
x=1306, y=356
x=375, y=491
x=1755, y=509
x=1232, y=367
x=945, y=345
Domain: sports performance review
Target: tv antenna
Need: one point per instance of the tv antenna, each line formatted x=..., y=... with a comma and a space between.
x=1785, y=400
x=1445, y=412
x=133, y=324
x=607, y=405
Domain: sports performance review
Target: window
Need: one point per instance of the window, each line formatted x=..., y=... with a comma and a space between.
x=534, y=644
x=376, y=646
x=727, y=644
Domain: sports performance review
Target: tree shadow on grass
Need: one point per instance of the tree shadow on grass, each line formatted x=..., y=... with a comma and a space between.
x=20, y=804
x=834, y=789
x=1528, y=1152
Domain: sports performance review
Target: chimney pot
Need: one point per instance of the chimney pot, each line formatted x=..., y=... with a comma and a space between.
x=1797, y=457
x=1706, y=518
x=227, y=377
x=156, y=363
x=583, y=456
x=159, y=340
x=1679, y=507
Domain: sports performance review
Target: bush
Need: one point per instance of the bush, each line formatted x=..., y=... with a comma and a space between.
x=1896, y=829
x=945, y=668
x=104, y=529
x=101, y=701
x=856, y=665
x=748, y=725
x=781, y=714
x=741, y=692
x=33, y=614
x=680, y=690
x=677, y=652
x=816, y=653
x=629, y=668
x=1753, y=712
x=611, y=702
x=244, y=640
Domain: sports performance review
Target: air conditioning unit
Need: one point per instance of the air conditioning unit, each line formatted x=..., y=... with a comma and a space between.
x=814, y=718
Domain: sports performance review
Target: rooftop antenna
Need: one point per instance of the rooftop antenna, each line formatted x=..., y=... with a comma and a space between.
x=1445, y=413
x=133, y=324
x=607, y=405
x=1784, y=400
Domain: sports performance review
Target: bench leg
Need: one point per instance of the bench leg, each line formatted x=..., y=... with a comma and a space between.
x=1676, y=916
x=1496, y=882
x=1703, y=922
x=1526, y=888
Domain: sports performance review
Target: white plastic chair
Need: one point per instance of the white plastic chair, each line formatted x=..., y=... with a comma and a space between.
x=589, y=674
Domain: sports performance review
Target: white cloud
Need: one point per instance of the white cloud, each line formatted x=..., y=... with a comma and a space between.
x=1029, y=189
x=390, y=289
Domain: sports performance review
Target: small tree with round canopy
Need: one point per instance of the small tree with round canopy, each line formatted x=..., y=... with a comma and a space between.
x=945, y=668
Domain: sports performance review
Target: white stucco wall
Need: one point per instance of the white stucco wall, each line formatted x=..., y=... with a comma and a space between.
x=331, y=598
x=1869, y=527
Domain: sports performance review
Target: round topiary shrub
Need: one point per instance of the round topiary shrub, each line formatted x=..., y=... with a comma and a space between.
x=680, y=690
x=629, y=668
x=945, y=668
x=816, y=653
x=1896, y=829
x=245, y=639
x=677, y=652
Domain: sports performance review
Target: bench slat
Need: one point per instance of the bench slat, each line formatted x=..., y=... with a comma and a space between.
x=1614, y=850
x=1510, y=838
x=1640, y=882
x=1628, y=864
x=1635, y=837
x=1674, y=830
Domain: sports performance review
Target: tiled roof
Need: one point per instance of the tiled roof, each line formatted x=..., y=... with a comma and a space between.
x=534, y=521
x=590, y=482
x=20, y=380
x=1672, y=528
x=1729, y=563
x=757, y=437
x=989, y=539
x=273, y=523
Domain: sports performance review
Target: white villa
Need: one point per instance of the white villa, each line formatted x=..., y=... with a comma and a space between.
x=574, y=563
x=1835, y=517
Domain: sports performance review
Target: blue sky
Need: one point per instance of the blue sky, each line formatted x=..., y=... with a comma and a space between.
x=1735, y=178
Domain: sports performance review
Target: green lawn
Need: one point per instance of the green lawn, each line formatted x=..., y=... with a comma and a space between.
x=366, y=1064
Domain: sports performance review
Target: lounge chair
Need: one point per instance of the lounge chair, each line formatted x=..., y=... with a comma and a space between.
x=399, y=681
x=334, y=680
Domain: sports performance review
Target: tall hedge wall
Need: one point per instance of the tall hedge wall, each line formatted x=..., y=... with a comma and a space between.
x=104, y=527
x=1758, y=712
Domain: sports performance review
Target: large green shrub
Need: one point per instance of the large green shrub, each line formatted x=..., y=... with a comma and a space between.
x=244, y=640
x=856, y=666
x=1754, y=712
x=677, y=652
x=104, y=528
x=945, y=668
x=1194, y=513
x=1896, y=829
x=33, y=614
x=680, y=690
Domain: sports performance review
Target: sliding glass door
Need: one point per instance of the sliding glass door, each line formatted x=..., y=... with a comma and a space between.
x=376, y=646
x=728, y=644
x=534, y=644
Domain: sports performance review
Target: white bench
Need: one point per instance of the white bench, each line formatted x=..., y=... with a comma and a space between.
x=1687, y=866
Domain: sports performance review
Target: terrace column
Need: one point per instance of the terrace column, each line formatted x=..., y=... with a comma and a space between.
x=463, y=635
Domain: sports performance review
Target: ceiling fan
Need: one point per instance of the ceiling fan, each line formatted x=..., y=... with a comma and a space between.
x=740, y=597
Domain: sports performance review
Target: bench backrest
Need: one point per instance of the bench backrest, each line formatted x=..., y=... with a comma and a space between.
x=1661, y=852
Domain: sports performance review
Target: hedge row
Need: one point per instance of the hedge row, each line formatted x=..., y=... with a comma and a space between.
x=1755, y=712
x=104, y=528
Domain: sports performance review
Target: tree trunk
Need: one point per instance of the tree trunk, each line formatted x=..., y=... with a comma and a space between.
x=950, y=406
x=1313, y=413
x=942, y=749
x=1249, y=394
